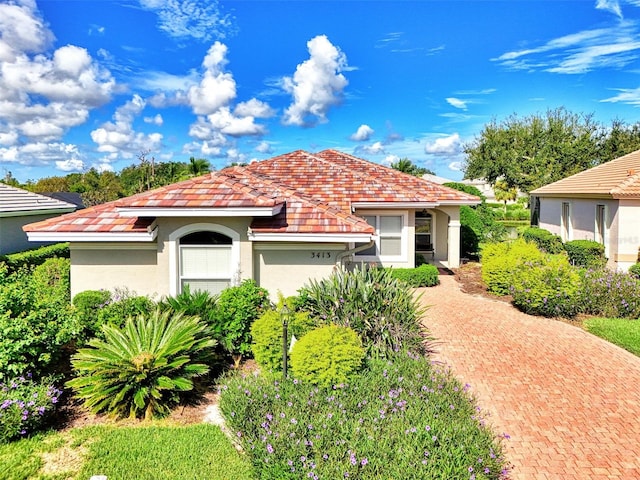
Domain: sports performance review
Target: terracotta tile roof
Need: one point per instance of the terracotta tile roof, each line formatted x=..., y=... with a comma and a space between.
x=15, y=201
x=317, y=192
x=100, y=219
x=619, y=178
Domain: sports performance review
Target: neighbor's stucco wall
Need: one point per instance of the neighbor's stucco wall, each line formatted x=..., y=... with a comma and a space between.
x=286, y=267
x=108, y=266
x=441, y=237
x=628, y=233
x=13, y=238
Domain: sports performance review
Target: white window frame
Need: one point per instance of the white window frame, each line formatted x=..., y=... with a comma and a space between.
x=565, y=221
x=600, y=224
x=175, y=278
x=402, y=236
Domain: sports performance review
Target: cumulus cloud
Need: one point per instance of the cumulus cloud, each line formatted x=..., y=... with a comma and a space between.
x=376, y=148
x=199, y=19
x=264, y=147
x=456, y=102
x=217, y=87
x=254, y=108
x=43, y=93
x=456, y=166
x=71, y=165
x=363, y=133
x=119, y=139
x=444, y=145
x=156, y=120
x=316, y=85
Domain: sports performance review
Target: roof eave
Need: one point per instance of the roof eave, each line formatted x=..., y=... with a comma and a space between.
x=129, y=212
x=42, y=211
x=311, y=237
x=149, y=236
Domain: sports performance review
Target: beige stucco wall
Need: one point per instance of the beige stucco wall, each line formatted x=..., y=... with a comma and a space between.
x=113, y=265
x=442, y=235
x=13, y=238
x=286, y=267
x=628, y=233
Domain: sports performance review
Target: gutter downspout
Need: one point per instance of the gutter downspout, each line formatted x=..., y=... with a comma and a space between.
x=353, y=251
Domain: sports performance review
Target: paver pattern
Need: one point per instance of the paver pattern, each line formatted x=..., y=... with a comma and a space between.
x=569, y=400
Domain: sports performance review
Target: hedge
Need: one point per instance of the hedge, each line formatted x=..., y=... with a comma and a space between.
x=33, y=258
x=544, y=239
x=425, y=275
x=585, y=253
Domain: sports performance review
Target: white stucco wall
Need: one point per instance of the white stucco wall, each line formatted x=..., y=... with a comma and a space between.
x=286, y=267
x=114, y=265
x=628, y=233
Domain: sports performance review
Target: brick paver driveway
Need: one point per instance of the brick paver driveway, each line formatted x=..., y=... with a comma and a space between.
x=569, y=401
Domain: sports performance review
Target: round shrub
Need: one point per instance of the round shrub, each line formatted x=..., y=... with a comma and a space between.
x=610, y=294
x=586, y=253
x=266, y=333
x=327, y=356
x=634, y=270
x=544, y=239
x=550, y=289
x=501, y=261
x=423, y=276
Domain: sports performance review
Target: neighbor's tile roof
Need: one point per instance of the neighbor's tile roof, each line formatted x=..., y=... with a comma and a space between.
x=619, y=178
x=15, y=200
x=316, y=191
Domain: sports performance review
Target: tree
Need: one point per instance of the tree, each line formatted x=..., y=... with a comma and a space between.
x=504, y=193
x=530, y=152
x=198, y=166
x=407, y=166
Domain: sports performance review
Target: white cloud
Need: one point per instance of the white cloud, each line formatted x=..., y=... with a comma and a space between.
x=253, y=108
x=263, y=147
x=43, y=93
x=217, y=88
x=579, y=52
x=448, y=145
x=456, y=166
x=40, y=153
x=119, y=138
x=226, y=123
x=630, y=96
x=71, y=165
x=389, y=159
x=199, y=19
x=609, y=5
x=363, y=133
x=376, y=148
x=316, y=85
x=456, y=102
x=156, y=120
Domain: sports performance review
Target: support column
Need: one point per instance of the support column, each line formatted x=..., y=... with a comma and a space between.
x=453, y=254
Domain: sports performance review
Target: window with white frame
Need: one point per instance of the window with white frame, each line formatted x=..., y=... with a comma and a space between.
x=205, y=261
x=424, y=239
x=566, y=221
x=600, y=224
x=390, y=232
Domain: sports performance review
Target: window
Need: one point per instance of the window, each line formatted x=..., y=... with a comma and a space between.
x=205, y=261
x=423, y=232
x=389, y=229
x=600, y=224
x=566, y=221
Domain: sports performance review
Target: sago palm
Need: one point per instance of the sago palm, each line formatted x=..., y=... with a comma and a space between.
x=141, y=369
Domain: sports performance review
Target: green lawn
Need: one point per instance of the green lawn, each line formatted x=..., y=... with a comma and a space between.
x=623, y=332
x=124, y=453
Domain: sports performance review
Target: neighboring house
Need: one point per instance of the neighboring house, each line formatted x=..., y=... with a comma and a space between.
x=483, y=186
x=19, y=207
x=280, y=221
x=69, y=197
x=601, y=204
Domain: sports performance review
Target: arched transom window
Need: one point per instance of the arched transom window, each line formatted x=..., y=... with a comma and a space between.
x=205, y=261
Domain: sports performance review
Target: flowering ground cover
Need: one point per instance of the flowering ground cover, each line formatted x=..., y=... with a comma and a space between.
x=397, y=419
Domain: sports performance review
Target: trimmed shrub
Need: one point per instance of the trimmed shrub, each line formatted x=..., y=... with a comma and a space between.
x=142, y=369
x=423, y=276
x=327, y=356
x=610, y=294
x=550, y=289
x=463, y=187
x=501, y=261
x=381, y=309
x=33, y=258
x=544, y=239
x=26, y=406
x=266, y=333
x=634, y=270
x=585, y=253
x=237, y=308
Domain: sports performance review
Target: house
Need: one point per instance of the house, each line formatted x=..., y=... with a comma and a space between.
x=280, y=221
x=19, y=207
x=601, y=204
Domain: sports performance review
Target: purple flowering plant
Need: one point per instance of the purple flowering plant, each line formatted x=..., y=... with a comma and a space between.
x=394, y=417
x=26, y=405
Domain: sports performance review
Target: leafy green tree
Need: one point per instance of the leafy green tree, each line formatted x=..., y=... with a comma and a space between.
x=198, y=166
x=618, y=140
x=407, y=166
x=504, y=193
x=530, y=152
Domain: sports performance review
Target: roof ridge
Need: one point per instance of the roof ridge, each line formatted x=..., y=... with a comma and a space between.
x=629, y=181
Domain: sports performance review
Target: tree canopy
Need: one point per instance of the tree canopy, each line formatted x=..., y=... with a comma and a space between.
x=527, y=153
x=407, y=166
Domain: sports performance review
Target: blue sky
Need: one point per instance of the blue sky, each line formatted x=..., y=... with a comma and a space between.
x=94, y=83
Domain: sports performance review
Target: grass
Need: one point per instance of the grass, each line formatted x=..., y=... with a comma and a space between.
x=155, y=452
x=620, y=331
